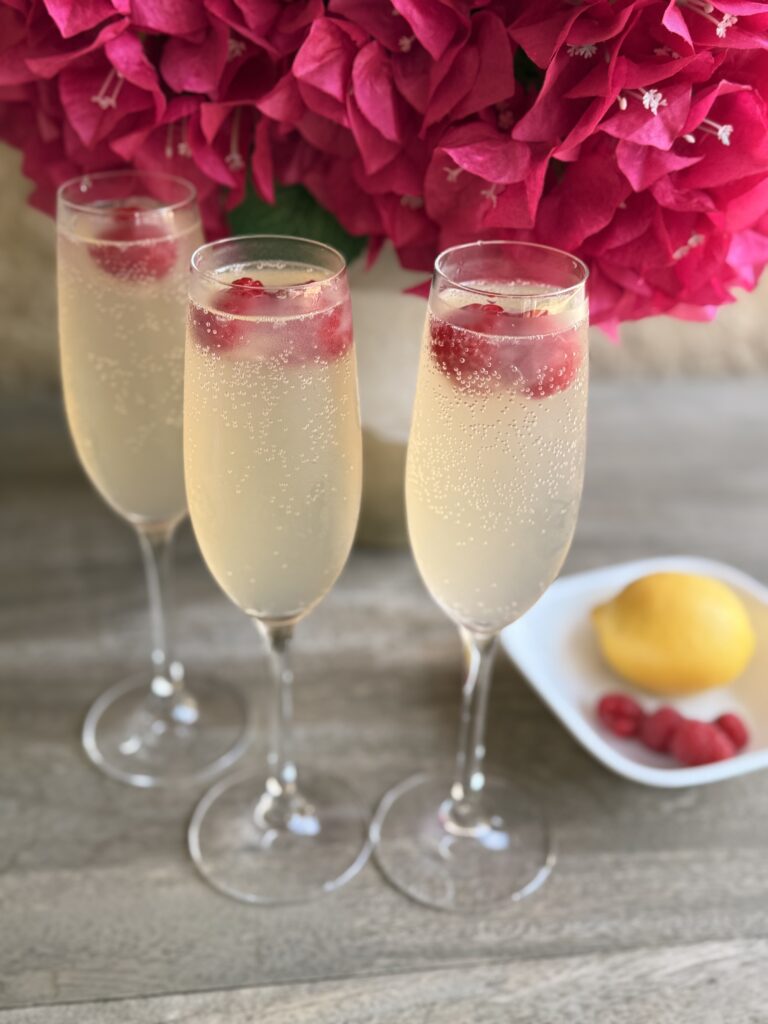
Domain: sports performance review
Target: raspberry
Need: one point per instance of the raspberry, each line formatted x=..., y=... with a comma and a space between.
x=148, y=254
x=620, y=713
x=324, y=337
x=540, y=367
x=334, y=334
x=249, y=284
x=734, y=729
x=480, y=316
x=245, y=296
x=700, y=743
x=550, y=364
x=658, y=729
x=463, y=355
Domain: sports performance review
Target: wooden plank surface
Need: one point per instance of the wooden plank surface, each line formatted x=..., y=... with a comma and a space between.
x=98, y=900
x=708, y=983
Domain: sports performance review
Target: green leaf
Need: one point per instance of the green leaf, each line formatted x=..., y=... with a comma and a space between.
x=295, y=212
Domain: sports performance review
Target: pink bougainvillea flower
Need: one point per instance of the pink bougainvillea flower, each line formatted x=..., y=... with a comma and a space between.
x=585, y=198
x=379, y=19
x=334, y=184
x=475, y=75
x=102, y=90
x=323, y=66
x=274, y=25
x=375, y=92
x=167, y=145
x=196, y=65
x=436, y=24
x=635, y=134
x=32, y=47
x=225, y=129
x=73, y=18
x=479, y=181
x=171, y=17
x=52, y=151
x=644, y=165
x=668, y=115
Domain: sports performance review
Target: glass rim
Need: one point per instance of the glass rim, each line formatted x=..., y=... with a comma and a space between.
x=96, y=176
x=495, y=293
x=220, y=242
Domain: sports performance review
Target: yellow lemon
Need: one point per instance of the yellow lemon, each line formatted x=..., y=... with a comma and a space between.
x=674, y=632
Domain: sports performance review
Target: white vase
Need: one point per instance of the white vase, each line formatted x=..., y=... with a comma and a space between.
x=388, y=328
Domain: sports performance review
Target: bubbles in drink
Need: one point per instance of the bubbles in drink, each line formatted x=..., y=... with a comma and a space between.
x=272, y=434
x=496, y=453
x=122, y=279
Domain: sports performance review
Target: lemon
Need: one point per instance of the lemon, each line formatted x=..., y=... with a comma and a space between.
x=673, y=632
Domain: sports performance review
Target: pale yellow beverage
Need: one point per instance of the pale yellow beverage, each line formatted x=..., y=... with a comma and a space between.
x=122, y=284
x=496, y=455
x=272, y=445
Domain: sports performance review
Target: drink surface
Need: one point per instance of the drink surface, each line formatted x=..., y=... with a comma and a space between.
x=122, y=283
x=496, y=452
x=272, y=443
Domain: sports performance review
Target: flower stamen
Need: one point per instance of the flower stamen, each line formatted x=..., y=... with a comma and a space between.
x=651, y=99
x=491, y=194
x=722, y=132
x=235, y=48
x=104, y=99
x=183, y=148
x=586, y=50
x=708, y=11
x=234, y=158
x=692, y=243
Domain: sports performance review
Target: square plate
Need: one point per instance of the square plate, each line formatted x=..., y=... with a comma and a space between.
x=554, y=646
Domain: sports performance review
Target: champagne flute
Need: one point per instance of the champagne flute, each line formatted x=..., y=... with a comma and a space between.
x=124, y=243
x=494, y=475
x=273, y=463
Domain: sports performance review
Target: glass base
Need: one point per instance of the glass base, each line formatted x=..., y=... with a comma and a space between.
x=506, y=857
x=247, y=847
x=136, y=737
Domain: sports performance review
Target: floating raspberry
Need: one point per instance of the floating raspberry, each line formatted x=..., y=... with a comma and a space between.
x=243, y=297
x=695, y=743
x=335, y=333
x=620, y=713
x=734, y=728
x=550, y=364
x=138, y=249
x=539, y=367
x=249, y=284
x=658, y=728
x=463, y=355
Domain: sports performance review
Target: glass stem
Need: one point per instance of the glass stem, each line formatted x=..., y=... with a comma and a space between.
x=462, y=812
x=281, y=768
x=156, y=546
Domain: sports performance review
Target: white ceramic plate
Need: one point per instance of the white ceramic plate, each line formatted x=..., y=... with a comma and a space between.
x=555, y=647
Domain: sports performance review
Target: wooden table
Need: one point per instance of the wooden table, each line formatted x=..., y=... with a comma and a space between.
x=657, y=911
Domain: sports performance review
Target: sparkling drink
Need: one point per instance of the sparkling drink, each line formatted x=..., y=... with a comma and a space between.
x=122, y=283
x=493, y=481
x=273, y=464
x=272, y=441
x=496, y=454
x=125, y=240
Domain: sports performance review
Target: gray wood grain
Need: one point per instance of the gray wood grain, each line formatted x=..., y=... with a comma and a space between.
x=98, y=900
x=707, y=983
